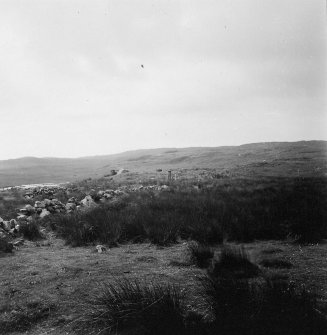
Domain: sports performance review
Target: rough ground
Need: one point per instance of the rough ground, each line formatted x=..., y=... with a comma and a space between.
x=54, y=278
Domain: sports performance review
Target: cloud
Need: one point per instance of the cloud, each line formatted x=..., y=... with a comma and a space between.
x=214, y=73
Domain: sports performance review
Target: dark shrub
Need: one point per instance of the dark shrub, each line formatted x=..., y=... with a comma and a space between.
x=266, y=307
x=233, y=262
x=307, y=209
x=200, y=254
x=5, y=245
x=82, y=228
x=30, y=230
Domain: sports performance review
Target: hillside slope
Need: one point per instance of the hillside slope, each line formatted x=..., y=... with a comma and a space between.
x=305, y=158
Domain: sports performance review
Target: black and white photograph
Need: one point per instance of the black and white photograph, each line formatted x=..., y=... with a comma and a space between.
x=163, y=167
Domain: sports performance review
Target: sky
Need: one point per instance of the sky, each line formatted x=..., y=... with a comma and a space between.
x=82, y=78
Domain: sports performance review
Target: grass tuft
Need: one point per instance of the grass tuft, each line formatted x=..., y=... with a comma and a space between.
x=200, y=254
x=135, y=307
x=233, y=262
x=30, y=230
x=268, y=307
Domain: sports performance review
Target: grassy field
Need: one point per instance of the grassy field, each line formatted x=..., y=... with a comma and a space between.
x=209, y=254
x=279, y=159
x=46, y=284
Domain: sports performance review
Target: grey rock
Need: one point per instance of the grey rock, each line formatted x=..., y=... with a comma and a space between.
x=44, y=213
x=39, y=204
x=30, y=209
x=88, y=202
x=100, y=248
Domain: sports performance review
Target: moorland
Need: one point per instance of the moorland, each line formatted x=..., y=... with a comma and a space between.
x=233, y=243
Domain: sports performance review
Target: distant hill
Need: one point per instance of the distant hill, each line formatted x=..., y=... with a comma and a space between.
x=305, y=158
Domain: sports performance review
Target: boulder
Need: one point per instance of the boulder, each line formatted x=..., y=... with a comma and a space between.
x=24, y=211
x=47, y=202
x=44, y=213
x=72, y=200
x=70, y=206
x=29, y=219
x=122, y=171
x=100, y=248
x=107, y=196
x=50, y=209
x=6, y=225
x=18, y=243
x=88, y=202
x=30, y=209
x=100, y=194
x=39, y=204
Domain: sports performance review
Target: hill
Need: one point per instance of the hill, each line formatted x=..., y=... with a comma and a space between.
x=305, y=158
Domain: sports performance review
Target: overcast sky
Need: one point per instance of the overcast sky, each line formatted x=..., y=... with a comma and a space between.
x=95, y=77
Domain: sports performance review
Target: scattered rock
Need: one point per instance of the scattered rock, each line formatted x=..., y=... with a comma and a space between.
x=101, y=248
x=44, y=213
x=18, y=242
x=30, y=209
x=122, y=171
x=6, y=225
x=21, y=217
x=39, y=204
x=88, y=202
x=70, y=206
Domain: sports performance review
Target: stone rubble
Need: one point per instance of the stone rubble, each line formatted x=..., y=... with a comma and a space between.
x=41, y=209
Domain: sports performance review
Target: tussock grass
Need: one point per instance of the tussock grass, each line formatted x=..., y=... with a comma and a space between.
x=233, y=262
x=266, y=307
x=200, y=254
x=30, y=230
x=135, y=307
x=237, y=210
x=234, y=306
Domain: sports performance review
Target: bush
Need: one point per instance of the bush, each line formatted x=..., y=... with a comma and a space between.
x=233, y=262
x=307, y=207
x=269, y=307
x=82, y=228
x=5, y=245
x=30, y=230
x=135, y=307
x=200, y=254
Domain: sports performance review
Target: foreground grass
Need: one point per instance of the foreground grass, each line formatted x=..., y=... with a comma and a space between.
x=136, y=306
x=48, y=282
